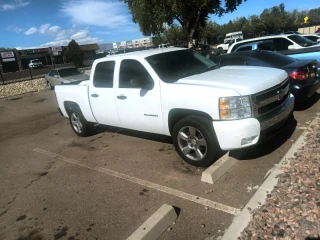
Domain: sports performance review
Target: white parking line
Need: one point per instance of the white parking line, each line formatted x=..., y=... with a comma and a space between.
x=174, y=192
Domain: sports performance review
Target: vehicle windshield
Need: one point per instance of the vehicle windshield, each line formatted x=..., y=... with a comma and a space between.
x=69, y=72
x=35, y=61
x=302, y=41
x=172, y=66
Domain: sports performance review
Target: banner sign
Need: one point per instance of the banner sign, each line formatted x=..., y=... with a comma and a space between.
x=7, y=54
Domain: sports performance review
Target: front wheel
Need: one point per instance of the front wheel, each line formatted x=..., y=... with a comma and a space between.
x=79, y=124
x=195, y=141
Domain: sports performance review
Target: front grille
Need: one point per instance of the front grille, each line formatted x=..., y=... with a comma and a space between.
x=271, y=100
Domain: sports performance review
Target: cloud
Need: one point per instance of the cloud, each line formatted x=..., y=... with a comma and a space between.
x=62, y=37
x=104, y=32
x=80, y=35
x=65, y=42
x=43, y=29
x=31, y=31
x=15, y=29
x=97, y=13
x=13, y=5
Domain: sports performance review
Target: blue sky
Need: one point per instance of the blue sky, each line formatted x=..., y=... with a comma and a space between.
x=46, y=23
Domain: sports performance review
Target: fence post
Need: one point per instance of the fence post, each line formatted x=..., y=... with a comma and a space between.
x=30, y=73
x=2, y=78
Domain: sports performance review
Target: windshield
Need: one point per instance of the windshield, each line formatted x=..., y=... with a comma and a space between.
x=69, y=72
x=35, y=61
x=172, y=66
x=302, y=41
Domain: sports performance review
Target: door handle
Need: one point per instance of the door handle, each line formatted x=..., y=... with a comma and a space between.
x=95, y=95
x=122, y=97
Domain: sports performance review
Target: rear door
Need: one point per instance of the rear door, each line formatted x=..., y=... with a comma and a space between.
x=138, y=108
x=102, y=94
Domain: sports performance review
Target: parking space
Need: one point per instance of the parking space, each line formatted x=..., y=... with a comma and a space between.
x=59, y=186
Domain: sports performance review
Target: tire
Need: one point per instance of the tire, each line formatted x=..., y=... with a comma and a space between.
x=49, y=85
x=195, y=141
x=79, y=124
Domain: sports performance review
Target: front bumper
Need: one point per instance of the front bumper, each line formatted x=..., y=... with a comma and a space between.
x=247, y=132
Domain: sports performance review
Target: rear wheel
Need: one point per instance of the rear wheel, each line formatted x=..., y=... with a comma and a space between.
x=195, y=141
x=79, y=124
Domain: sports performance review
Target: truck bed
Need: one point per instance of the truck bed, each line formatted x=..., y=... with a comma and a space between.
x=75, y=93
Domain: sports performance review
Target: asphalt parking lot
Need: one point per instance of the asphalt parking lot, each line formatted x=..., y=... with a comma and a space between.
x=55, y=185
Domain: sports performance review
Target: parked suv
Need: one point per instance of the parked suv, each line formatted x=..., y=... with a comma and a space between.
x=35, y=63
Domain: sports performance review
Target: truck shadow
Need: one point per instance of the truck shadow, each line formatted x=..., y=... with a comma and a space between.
x=308, y=103
x=268, y=147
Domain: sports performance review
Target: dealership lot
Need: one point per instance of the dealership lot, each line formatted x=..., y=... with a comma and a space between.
x=56, y=185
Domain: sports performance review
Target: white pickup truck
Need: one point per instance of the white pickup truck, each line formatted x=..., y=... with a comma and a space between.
x=225, y=46
x=180, y=93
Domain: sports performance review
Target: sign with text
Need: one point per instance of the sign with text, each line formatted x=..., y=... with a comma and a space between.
x=7, y=54
x=56, y=49
x=35, y=51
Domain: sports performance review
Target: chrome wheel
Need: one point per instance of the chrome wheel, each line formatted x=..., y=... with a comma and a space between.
x=76, y=123
x=192, y=143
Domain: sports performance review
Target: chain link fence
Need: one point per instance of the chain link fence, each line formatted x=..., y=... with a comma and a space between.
x=28, y=74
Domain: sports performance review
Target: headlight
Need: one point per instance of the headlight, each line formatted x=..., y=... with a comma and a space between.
x=232, y=108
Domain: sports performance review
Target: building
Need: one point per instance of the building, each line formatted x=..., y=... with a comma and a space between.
x=141, y=42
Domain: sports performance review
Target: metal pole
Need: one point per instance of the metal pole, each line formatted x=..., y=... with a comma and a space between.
x=2, y=78
x=30, y=73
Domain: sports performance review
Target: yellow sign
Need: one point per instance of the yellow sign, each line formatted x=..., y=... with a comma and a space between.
x=306, y=19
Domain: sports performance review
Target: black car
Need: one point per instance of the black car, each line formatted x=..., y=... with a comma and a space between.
x=303, y=74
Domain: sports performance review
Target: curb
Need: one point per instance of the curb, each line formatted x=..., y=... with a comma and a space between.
x=241, y=221
x=156, y=224
x=215, y=171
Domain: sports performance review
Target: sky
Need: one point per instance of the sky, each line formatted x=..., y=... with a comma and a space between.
x=46, y=23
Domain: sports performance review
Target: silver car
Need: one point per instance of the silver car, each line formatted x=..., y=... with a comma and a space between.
x=64, y=75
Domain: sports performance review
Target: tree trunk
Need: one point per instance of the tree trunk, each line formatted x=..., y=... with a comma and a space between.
x=190, y=37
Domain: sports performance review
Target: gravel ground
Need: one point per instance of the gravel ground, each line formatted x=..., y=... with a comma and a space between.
x=22, y=87
x=291, y=210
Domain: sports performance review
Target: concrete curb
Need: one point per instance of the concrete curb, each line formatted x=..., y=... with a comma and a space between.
x=215, y=171
x=241, y=221
x=156, y=224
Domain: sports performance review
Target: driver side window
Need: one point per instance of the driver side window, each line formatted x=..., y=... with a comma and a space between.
x=131, y=69
x=53, y=73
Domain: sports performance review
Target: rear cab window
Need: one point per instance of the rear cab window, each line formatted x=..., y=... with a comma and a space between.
x=104, y=74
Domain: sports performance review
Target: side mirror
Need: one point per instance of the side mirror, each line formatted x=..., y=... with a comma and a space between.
x=56, y=76
x=291, y=47
x=142, y=82
x=318, y=40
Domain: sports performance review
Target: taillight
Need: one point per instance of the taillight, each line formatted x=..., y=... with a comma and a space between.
x=300, y=75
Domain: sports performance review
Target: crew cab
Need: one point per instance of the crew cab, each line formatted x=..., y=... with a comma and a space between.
x=179, y=93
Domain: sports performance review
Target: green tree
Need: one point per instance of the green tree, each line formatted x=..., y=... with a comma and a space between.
x=152, y=15
x=74, y=53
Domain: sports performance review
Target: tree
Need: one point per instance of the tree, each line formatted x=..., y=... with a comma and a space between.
x=74, y=53
x=152, y=15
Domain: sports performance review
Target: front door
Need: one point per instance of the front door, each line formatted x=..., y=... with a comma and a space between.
x=102, y=94
x=138, y=108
